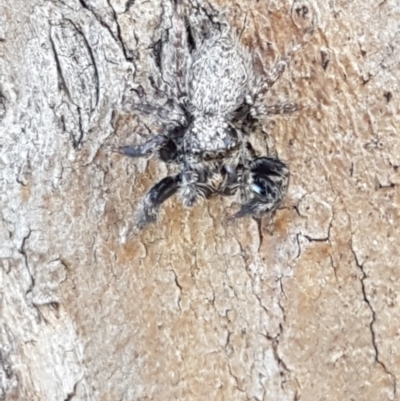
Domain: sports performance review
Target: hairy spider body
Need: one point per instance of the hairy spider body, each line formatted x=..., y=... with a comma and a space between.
x=214, y=96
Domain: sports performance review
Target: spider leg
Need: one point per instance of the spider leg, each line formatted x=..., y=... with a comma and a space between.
x=271, y=77
x=166, y=148
x=169, y=115
x=195, y=184
x=168, y=74
x=159, y=193
x=172, y=52
x=203, y=21
x=260, y=110
x=265, y=85
x=230, y=183
x=143, y=150
x=276, y=71
x=268, y=182
x=179, y=49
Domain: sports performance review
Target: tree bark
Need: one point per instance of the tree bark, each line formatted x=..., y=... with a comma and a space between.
x=191, y=308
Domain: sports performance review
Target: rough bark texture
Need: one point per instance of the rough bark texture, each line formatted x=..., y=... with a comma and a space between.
x=192, y=309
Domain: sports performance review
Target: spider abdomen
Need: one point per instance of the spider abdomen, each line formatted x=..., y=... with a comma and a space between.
x=220, y=76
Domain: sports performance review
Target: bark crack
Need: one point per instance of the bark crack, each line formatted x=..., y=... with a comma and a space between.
x=235, y=378
x=129, y=5
x=378, y=360
x=334, y=267
x=275, y=349
x=179, y=287
x=283, y=369
x=22, y=251
x=61, y=80
x=279, y=279
x=119, y=34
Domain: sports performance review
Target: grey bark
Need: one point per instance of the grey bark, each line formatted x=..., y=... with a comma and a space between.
x=303, y=308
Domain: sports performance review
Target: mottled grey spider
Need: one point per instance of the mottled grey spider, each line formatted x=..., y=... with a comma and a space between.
x=214, y=99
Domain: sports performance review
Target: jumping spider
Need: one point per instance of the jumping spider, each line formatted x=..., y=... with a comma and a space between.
x=214, y=99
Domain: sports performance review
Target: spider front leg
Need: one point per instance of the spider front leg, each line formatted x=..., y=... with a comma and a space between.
x=268, y=182
x=159, y=193
x=169, y=115
x=166, y=148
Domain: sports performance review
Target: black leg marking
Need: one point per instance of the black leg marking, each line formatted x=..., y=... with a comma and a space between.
x=155, y=197
x=269, y=166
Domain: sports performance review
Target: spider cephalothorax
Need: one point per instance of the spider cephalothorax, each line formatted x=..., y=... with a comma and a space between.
x=214, y=98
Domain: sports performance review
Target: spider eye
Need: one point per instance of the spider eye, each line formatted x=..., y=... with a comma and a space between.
x=207, y=155
x=232, y=132
x=220, y=154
